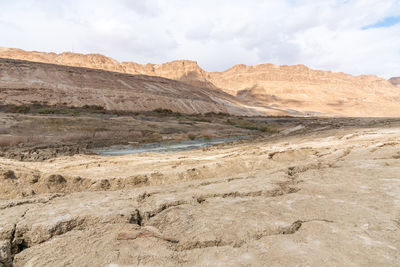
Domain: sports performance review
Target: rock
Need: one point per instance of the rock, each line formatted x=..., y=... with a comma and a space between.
x=55, y=179
x=34, y=179
x=103, y=184
x=138, y=179
x=5, y=253
x=8, y=174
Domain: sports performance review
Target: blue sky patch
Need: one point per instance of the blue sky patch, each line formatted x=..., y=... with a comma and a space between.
x=386, y=22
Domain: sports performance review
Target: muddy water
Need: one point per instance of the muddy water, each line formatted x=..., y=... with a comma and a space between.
x=164, y=147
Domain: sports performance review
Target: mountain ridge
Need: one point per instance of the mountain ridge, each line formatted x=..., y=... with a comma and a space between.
x=25, y=82
x=295, y=88
x=94, y=60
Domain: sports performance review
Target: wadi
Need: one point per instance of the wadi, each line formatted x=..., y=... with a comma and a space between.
x=108, y=163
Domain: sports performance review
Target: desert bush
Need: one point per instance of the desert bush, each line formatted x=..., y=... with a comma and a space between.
x=200, y=119
x=49, y=110
x=165, y=112
x=271, y=127
x=22, y=109
x=219, y=115
x=10, y=108
x=94, y=109
x=191, y=136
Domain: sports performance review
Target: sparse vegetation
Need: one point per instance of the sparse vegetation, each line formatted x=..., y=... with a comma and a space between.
x=41, y=108
x=199, y=119
x=22, y=109
x=94, y=125
x=270, y=127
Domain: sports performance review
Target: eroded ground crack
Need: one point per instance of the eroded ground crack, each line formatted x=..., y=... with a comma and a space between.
x=16, y=246
x=295, y=226
x=288, y=230
x=144, y=216
x=29, y=201
x=285, y=187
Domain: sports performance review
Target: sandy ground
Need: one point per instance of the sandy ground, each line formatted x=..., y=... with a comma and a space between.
x=328, y=198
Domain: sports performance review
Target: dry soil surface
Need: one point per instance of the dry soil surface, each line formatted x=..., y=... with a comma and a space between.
x=330, y=198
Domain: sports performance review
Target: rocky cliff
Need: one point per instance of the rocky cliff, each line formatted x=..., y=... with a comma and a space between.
x=272, y=89
x=312, y=91
x=184, y=70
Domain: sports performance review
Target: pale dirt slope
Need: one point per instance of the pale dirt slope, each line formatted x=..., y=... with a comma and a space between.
x=24, y=82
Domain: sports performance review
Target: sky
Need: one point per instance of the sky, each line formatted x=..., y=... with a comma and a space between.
x=351, y=36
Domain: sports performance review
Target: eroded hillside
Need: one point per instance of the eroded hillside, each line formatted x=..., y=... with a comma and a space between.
x=270, y=89
x=23, y=82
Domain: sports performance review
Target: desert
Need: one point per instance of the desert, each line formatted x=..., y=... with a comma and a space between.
x=199, y=133
x=109, y=164
x=305, y=198
x=138, y=170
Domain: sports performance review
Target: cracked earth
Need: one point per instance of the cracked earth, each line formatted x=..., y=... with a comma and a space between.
x=325, y=198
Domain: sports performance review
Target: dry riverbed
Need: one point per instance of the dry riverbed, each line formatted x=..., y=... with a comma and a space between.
x=326, y=197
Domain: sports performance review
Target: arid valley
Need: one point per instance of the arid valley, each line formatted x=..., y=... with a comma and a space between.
x=120, y=164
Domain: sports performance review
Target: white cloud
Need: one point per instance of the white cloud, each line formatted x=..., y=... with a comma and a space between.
x=218, y=34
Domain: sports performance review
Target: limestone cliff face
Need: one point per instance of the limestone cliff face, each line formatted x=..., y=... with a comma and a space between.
x=311, y=91
x=182, y=70
x=94, y=61
x=295, y=89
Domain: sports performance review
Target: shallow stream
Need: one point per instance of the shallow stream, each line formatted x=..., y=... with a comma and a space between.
x=165, y=146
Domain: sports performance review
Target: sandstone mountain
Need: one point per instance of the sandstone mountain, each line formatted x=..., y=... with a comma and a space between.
x=23, y=82
x=271, y=89
x=184, y=70
x=303, y=89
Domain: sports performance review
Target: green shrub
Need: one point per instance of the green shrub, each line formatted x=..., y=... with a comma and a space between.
x=23, y=109
x=46, y=111
x=207, y=138
x=254, y=126
x=93, y=108
x=163, y=111
x=199, y=119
